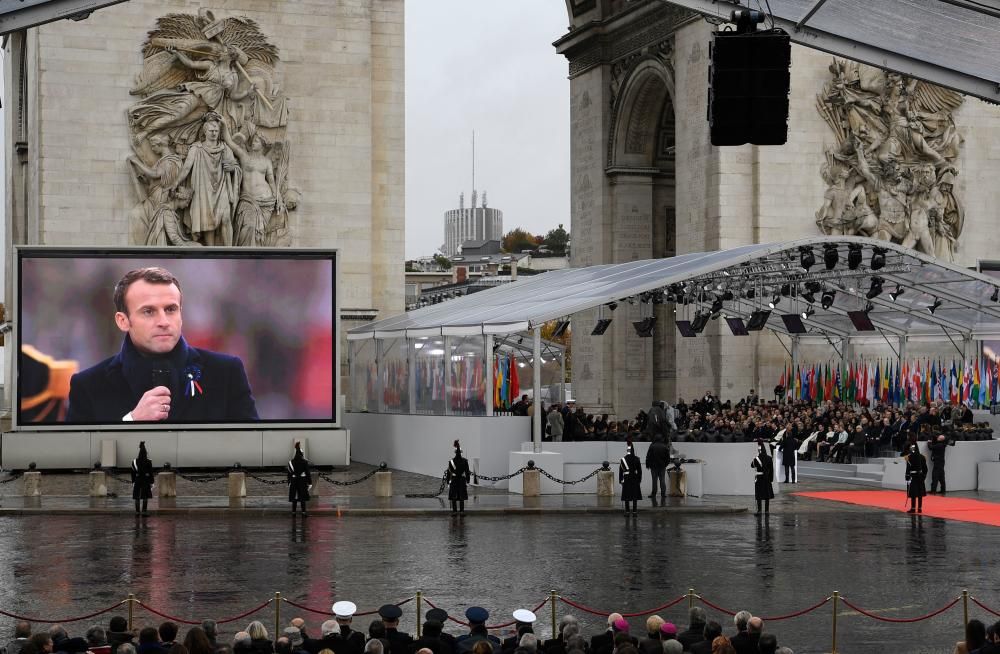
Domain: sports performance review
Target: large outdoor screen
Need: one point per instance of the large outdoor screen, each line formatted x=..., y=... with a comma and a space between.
x=140, y=337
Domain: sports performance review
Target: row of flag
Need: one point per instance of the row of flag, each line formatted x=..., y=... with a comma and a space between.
x=972, y=382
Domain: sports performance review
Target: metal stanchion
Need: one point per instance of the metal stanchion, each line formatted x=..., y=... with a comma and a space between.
x=277, y=614
x=690, y=599
x=552, y=601
x=836, y=601
x=419, y=598
x=131, y=612
x=965, y=609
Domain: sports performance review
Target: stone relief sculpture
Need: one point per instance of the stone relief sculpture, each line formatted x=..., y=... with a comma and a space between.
x=891, y=174
x=210, y=136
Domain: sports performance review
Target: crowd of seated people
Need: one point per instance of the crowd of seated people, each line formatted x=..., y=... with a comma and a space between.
x=829, y=431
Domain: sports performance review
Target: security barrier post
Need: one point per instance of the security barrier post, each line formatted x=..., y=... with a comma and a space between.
x=277, y=614
x=965, y=609
x=836, y=601
x=131, y=614
x=552, y=601
x=690, y=599
x=419, y=597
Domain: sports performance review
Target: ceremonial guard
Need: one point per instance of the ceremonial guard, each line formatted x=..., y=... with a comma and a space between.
x=399, y=642
x=458, y=475
x=763, y=466
x=916, y=474
x=299, y=479
x=630, y=478
x=142, y=479
x=350, y=641
x=477, y=617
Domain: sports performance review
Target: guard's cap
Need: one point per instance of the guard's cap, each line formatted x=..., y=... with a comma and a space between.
x=390, y=612
x=477, y=614
x=345, y=609
x=524, y=615
x=437, y=615
x=668, y=629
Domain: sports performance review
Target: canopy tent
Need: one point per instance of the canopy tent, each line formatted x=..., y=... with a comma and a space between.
x=939, y=300
x=953, y=43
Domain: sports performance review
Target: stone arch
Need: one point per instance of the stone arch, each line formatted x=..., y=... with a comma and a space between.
x=638, y=115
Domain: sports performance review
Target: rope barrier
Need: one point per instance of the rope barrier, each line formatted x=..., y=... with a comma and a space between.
x=502, y=625
x=594, y=611
x=984, y=607
x=198, y=622
x=714, y=606
x=897, y=620
x=76, y=619
x=797, y=613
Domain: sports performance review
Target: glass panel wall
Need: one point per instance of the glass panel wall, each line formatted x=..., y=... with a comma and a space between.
x=395, y=371
x=467, y=376
x=364, y=375
x=429, y=385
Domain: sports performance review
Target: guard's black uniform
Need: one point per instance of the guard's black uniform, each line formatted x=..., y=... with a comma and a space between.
x=630, y=478
x=916, y=474
x=458, y=476
x=763, y=464
x=299, y=479
x=142, y=479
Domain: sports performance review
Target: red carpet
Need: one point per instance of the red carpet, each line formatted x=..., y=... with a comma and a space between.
x=950, y=508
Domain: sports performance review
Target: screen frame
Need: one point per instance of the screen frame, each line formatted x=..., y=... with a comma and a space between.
x=21, y=252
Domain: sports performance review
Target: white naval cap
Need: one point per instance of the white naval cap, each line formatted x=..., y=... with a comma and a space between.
x=524, y=615
x=345, y=609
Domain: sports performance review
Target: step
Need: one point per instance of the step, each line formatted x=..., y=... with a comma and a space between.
x=856, y=481
x=838, y=468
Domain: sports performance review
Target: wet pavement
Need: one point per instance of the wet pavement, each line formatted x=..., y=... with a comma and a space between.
x=212, y=562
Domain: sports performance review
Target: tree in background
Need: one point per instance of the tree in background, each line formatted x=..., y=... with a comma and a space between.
x=517, y=240
x=564, y=339
x=557, y=239
x=442, y=261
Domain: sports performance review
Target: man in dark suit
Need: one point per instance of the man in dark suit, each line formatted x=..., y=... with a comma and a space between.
x=431, y=639
x=157, y=376
x=696, y=632
x=330, y=631
x=745, y=642
x=399, y=642
x=441, y=616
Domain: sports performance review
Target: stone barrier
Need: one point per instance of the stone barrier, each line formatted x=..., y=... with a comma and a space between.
x=237, y=484
x=383, y=484
x=606, y=483
x=532, y=483
x=98, y=483
x=166, y=484
x=32, y=484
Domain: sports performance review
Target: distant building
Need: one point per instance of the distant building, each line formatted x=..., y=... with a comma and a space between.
x=471, y=224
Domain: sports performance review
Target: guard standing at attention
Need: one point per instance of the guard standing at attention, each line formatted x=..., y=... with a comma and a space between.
x=763, y=466
x=142, y=479
x=458, y=476
x=916, y=474
x=630, y=478
x=299, y=479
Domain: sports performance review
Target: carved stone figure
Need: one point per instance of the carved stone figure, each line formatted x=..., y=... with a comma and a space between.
x=891, y=172
x=200, y=74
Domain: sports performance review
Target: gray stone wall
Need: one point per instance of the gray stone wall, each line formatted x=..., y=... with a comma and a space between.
x=341, y=65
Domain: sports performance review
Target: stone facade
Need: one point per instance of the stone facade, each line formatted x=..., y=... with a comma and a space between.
x=646, y=182
x=341, y=70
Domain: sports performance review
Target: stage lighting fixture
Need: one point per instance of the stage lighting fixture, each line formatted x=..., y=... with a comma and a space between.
x=934, y=306
x=895, y=294
x=728, y=296
x=876, y=288
x=808, y=313
x=774, y=301
x=560, y=328
x=757, y=320
x=853, y=255
x=612, y=305
x=869, y=307
x=644, y=327
x=830, y=255
x=717, y=305
x=751, y=293
x=699, y=322
x=996, y=295
x=786, y=290
x=878, y=258
x=601, y=327
x=806, y=257
x=827, y=300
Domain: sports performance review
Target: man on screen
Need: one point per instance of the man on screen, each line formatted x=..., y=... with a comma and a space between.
x=157, y=376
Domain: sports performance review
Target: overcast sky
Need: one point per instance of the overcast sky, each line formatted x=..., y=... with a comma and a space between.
x=490, y=67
